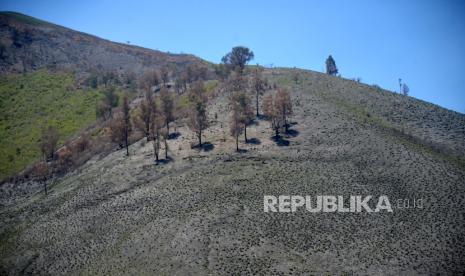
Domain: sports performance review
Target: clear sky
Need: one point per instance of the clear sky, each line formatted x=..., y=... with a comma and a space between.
x=422, y=42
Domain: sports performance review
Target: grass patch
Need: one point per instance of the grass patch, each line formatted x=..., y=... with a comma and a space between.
x=31, y=101
x=210, y=87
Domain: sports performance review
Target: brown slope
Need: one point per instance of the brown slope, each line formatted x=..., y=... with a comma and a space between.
x=27, y=44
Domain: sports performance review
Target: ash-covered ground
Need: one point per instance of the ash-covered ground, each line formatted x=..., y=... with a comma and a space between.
x=202, y=212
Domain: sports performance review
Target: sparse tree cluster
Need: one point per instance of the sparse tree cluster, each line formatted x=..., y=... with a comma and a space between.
x=149, y=80
x=165, y=75
x=105, y=78
x=191, y=74
x=278, y=109
x=156, y=111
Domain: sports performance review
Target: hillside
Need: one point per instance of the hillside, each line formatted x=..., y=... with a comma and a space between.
x=202, y=213
x=28, y=44
x=43, y=72
x=33, y=101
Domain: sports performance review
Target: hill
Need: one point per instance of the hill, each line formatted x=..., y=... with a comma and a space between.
x=44, y=75
x=202, y=212
x=28, y=44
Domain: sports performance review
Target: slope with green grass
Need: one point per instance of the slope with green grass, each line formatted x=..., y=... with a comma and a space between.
x=32, y=101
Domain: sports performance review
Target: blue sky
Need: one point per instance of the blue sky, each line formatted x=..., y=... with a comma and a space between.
x=422, y=42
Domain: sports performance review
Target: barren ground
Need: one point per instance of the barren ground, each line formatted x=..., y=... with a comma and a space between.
x=202, y=212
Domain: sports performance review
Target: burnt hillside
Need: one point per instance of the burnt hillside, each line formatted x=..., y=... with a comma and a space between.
x=28, y=44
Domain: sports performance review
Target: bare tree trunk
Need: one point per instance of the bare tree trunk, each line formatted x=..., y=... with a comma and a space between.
x=200, y=139
x=127, y=146
x=256, y=102
x=156, y=146
x=156, y=155
x=237, y=143
x=166, y=147
x=286, y=127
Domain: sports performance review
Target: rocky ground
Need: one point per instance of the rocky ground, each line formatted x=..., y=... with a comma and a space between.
x=202, y=212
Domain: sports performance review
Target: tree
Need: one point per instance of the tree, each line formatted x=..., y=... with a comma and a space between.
x=92, y=80
x=48, y=142
x=296, y=77
x=405, y=89
x=65, y=160
x=156, y=124
x=235, y=125
x=238, y=58
x=198, y=120
x=271, y=112
x=109, y=78
x=111, y=99
x=144, y=115
x=167, y=108
x=259, y=87
x=222, y=71
x=400, y=85
x=120, y=126
x=149, y=79
x=236, y=82
x=196, y=72
x=165, y=136
x=184, y=79
x=126, y=123
x=82, y=143
x=241, y=105
x=117, y=129
x=107, y=103
x=331, y=68
x=101, y=110
x=178, y=85
x=165, y=75
x=41, y=171
x=284, y=106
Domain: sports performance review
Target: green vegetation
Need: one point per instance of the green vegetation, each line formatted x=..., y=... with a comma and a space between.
x=183, y=101
x=32, y=101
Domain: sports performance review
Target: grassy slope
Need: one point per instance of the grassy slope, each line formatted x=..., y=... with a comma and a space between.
x=29, y=102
